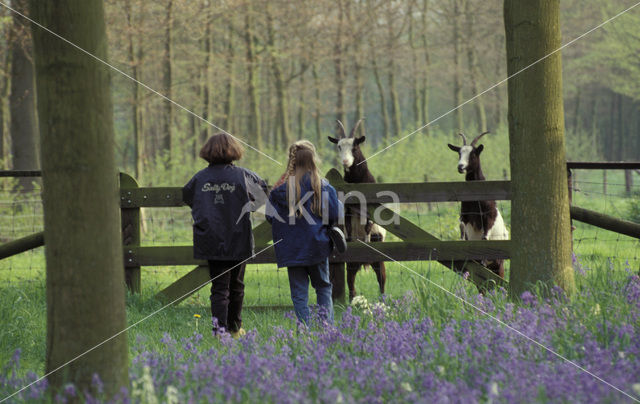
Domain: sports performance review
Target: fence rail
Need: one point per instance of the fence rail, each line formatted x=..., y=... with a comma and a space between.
x=416, y=245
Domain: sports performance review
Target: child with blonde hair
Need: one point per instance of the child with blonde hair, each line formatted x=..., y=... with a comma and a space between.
x=310, y=205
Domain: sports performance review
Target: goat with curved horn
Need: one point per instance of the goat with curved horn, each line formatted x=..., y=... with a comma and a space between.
x=355, y=128
x=343, y=131
x=464, y=138
x=478, y=138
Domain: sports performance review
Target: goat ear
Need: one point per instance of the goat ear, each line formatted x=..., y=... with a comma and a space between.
x=479, y=149
x=332, y=139
x=359, y=140
x=454, y=148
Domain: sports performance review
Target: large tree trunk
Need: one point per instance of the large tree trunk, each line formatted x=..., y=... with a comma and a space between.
x=541, y=227
x=85, y=279
x=24, y=125
x=165, y=131
x=254, y=124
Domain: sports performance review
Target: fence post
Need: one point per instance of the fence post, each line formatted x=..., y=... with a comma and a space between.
x=130, y=218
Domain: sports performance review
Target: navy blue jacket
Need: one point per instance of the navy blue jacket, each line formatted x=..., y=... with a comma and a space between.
x=221, y=197
x=303, y=242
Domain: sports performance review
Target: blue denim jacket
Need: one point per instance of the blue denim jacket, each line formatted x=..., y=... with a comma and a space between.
x=304, y=242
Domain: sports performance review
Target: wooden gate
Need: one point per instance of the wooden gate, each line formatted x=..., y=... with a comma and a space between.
x=416, y=245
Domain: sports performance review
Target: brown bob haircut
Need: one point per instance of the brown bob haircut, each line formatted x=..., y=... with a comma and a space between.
x=221, y=148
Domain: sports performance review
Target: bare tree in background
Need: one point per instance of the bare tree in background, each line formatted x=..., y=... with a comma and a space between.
x=24, y=124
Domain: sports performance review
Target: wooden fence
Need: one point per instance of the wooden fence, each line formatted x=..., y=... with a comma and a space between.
x=416, y=245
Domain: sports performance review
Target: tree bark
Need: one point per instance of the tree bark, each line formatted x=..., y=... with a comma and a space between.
x=357, y=72
x=541, y=227
x=338, y=64
x=24, y=125
x=282, y=94
x=229, y=103
x=165, y=131
x=478, y=103
x=458, y=122
x=576, y=114
x=317, y=101
x=205, y=128
x=383, y=101
x=254, y=124
x=395, y=102
x=498, y=117
x=141, y=144
x=301, y=108
x=4, y=92
x=85, y=279
x=415, y=89
x=594, y=121
x=138, y=145
x=424, y=91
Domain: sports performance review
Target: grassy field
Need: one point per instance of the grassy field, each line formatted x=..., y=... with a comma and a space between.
x=22, y=277
x=603, y=259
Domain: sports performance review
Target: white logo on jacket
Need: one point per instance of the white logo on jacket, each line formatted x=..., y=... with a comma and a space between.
x=208, y=187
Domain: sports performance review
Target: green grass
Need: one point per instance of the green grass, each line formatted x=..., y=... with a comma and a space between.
x=22, y=294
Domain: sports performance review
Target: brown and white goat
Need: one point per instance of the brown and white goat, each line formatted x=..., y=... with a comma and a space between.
x=357, y=172
x=479, y=220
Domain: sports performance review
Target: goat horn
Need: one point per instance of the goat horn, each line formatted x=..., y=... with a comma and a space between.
x=343, y=130
x=355, y=128
x=478, y=138
x=464, y=139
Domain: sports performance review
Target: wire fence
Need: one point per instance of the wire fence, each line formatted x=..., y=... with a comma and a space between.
x=21, y=214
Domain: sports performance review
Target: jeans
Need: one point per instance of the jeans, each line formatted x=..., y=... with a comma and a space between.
x=299, y=283
x=227, y=293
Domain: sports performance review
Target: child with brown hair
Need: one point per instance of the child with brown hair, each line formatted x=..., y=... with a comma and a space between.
x=310, y=205
x=219, y=196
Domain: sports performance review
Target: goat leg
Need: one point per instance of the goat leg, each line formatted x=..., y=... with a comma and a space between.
x=352, y=270
x=381, y=275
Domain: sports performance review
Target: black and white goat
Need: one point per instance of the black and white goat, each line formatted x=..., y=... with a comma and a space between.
x=479, y=220
x=356, y=171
